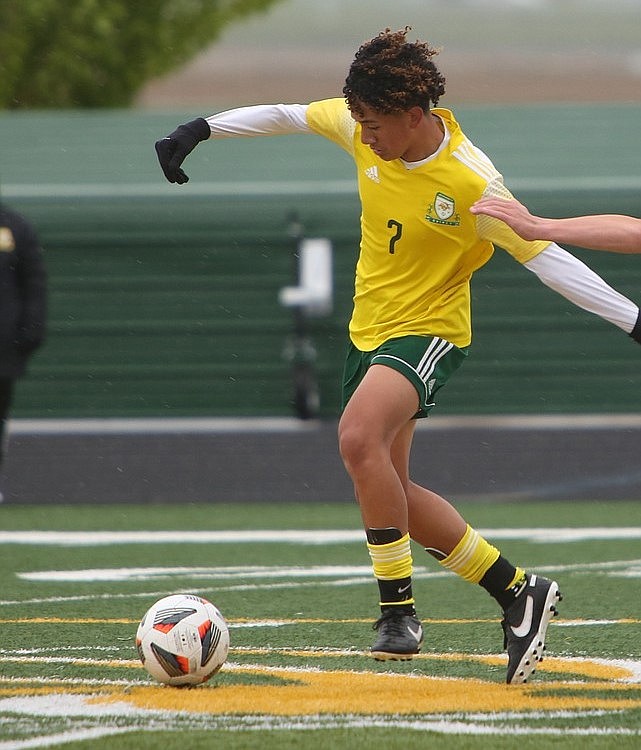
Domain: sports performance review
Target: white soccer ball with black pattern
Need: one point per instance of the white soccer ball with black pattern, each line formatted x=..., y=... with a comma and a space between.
x=182, y=640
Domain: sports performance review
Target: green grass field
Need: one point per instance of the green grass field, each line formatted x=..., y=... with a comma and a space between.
x=300, y=601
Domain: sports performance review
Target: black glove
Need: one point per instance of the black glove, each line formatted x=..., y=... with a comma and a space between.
x=173, y=149
x=636, y=331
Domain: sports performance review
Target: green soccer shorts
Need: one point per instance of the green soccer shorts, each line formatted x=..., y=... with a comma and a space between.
x=426, y=361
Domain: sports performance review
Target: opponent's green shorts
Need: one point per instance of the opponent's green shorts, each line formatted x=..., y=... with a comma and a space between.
x=426, y=361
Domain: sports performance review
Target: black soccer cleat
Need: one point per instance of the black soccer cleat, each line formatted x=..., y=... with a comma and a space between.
x=525, y=623
x=399, y=636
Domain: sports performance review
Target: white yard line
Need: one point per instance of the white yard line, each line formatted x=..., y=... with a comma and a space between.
x=61, y=738
x=323, y=537
x=248, y=536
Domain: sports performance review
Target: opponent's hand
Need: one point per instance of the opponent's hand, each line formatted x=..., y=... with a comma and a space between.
x=173, y=149
x=513, y=213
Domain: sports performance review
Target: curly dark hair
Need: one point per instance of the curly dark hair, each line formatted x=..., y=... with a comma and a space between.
x=390, y=74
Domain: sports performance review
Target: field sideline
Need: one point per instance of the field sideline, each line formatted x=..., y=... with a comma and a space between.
x=295, y=585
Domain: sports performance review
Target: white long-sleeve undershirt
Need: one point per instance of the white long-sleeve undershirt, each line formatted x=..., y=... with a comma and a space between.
x=575, y=281
x=260, y=119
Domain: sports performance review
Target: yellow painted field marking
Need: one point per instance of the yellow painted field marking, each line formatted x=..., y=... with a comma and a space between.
x=598, y=670
x=594, y=670
x=336, y=692
x=308, y=691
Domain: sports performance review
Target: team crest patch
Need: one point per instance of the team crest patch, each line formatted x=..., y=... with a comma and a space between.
x=443, y=211
x=7, y=242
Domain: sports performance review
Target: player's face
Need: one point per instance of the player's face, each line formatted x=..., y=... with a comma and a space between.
x=390, y=136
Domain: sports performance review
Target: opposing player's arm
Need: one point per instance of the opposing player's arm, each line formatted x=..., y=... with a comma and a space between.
x=610, y=232
x=560, y=270
x=264, y=119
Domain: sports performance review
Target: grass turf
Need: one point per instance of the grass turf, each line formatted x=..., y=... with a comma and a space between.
x=300, y=617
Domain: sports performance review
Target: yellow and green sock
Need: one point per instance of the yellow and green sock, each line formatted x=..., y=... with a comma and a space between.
x=391, y=557
x=477, y=561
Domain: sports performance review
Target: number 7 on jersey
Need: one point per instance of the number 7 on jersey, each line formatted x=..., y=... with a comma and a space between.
x=393, y=224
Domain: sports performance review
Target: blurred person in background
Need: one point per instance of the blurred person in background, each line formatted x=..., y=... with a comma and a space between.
x=616, y=233
x=23, y=306
x=410, y=330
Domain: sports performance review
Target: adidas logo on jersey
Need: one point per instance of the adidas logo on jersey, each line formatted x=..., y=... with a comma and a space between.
x=372, y=173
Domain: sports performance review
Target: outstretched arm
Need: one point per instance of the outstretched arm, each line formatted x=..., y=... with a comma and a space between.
x=262, y=119
x=611, y=232
x=557, y=268
x=578, y=283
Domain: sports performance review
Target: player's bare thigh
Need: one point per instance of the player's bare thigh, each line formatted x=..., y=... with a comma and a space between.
x=382, y=405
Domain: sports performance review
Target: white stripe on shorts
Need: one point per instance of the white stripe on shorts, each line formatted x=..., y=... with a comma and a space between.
x=437, y=349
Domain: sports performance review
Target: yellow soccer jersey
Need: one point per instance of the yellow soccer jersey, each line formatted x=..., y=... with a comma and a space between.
x=420, y=244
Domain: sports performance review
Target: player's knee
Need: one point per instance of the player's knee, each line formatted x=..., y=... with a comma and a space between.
x=355, y=445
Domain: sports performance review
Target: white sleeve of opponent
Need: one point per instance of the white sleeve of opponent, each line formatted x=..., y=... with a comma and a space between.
x=261, y=119
x=578, y=283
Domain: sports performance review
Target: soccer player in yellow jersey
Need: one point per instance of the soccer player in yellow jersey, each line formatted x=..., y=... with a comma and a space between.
x=418, y=175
